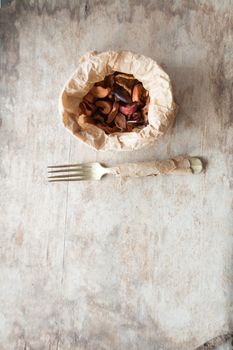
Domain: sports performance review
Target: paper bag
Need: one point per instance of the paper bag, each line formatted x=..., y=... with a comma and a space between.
x=92, y=68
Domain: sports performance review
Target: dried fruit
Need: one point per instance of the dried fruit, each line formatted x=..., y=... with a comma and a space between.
x=137, y=92
x=98, y=117
x=120, y=121
x=127, y=81
x=119, y=103
x=89, y=98
x=109, y=80
x=129, y=108
x=129, y=127
x=113, y=112
x=111, y=97
x=145, y=95
x=121, y=94
x=87, y=108
x=104, y=106
x=136, y=118
x=100, y=92
x=125, y=75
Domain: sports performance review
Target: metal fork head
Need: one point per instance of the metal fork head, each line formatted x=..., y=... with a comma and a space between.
x=76, y=172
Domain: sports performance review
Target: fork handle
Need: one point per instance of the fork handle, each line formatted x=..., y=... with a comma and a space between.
x=179, y=166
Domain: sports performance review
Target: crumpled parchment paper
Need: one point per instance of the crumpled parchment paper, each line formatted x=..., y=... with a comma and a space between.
x=93, y=67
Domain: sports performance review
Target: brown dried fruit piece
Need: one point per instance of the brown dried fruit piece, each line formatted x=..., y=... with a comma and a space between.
x=100, y=92
x=126, y=75
x=137, y=115
x=120, y=121
x=111, y=96
x=98, y=117
x=136, y=118
x=121, y=94
x=89, y=98
x=87, y=108
x=109, y=80
x=104, y=106
x=145, y=95
x=137, y=92
x=113, y=112
x=129, y=127
x=126, y=81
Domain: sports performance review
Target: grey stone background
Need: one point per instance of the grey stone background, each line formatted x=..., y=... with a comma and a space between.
x=140, y=264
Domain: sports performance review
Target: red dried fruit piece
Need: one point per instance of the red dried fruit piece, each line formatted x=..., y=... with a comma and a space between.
x=121, y=94
x=137, y=92
x=100, y=92
x=104, y=106
x=129, y=108
x=120, y=121
x=113, y=112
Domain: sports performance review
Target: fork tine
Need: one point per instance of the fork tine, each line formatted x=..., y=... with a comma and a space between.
x=79, y=170
x=68, y=179
x=66, y=176
x=87, y=165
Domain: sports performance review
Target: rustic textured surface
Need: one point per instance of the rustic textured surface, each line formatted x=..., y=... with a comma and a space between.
x=142, y=264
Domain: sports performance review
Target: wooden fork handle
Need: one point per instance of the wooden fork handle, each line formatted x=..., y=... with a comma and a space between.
x=181, y=165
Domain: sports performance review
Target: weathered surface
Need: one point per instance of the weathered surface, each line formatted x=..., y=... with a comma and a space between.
x=141, y=264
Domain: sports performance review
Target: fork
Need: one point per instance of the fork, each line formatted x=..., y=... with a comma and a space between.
x=180, y=165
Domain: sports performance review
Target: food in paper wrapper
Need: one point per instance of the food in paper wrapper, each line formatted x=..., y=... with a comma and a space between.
x=117, y=100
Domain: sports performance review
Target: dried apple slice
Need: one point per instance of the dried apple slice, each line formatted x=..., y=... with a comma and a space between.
x=137, y=92
x=127, y=81
x=89, y=98
x=120, y=121
x=100, y=92
x=104, y=106
x=98, y=117
x=113, y=112
x=87, y=109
